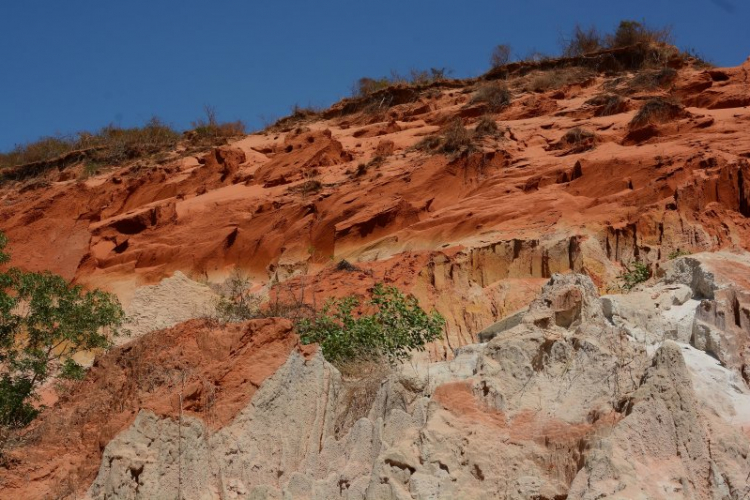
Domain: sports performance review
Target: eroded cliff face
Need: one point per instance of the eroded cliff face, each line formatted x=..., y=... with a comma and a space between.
x=569, y=403
x=564, y=185
x=579, y=392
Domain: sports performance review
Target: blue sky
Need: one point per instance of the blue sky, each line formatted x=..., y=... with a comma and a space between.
x=80, y=64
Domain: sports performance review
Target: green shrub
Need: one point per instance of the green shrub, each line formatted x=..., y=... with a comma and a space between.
x=638, y=273
x=389, y=326
x=44, y=321
x=676, y=254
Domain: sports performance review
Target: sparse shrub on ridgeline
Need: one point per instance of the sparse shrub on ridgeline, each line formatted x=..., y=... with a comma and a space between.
x=210, y=129
x=631, y=32
x=500, y=56
x=582, y=41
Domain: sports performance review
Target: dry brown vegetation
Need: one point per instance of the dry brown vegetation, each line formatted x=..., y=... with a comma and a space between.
x=494, y=95
x=112, y=145
x=557, y=78
x=656, y=110
x=608, y=104
x=362, y=381
x=454, y=140
x=628, y=33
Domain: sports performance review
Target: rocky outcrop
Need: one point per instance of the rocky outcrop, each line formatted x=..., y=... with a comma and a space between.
x=568, y=395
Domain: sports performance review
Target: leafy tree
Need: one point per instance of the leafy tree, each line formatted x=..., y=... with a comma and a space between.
x=44, y=321
x=390, y=326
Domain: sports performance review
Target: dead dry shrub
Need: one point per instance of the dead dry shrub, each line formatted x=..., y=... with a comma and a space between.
x=557, y=78
x=652, y=79
x=500, y=56
x=486, y=127
x=362, y=380
x=575, y=140
x=236, y=302
x=298, y=116
x=629, y=33
x=210, y=130
x=110, y=145
x=454, y=140
x=608, y=104
x=495, y=96
x=656, y=110
x=582, y=41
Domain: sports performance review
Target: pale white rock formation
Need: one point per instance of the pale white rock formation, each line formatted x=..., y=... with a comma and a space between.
x=172, y=301
x=578, y=398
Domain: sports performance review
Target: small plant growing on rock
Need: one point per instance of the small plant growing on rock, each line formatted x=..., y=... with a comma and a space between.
x=455, y=140
x=676, y=254
x=494, y=95
x=608, y=104
x=486, y=127
x=656, y=110
x=235, y=302
x=388, y=326
x=635, y=274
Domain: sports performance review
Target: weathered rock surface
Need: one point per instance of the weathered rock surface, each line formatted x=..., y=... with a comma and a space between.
x=488, y=227
x=567, y=403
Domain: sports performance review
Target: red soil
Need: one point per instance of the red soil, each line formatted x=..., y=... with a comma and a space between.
x=216, y=370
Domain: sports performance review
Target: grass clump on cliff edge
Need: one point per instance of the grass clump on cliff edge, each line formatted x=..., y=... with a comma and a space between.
x=44, y=322
x=628, y=33
x=112, y=145
x=388, y=326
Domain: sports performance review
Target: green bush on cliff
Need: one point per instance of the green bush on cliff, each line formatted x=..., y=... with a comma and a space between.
x=637, y=273
x=389, y=326
x=44, y=321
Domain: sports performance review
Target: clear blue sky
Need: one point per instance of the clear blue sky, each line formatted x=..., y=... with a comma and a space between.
x=69, y=65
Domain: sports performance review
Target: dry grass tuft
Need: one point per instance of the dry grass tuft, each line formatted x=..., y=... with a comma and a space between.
x=656, y=110
x=495, y=96
x=608, y=104
x=557, y=78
